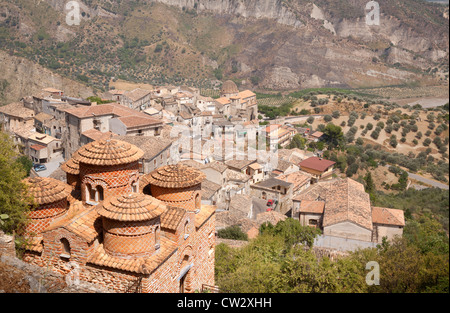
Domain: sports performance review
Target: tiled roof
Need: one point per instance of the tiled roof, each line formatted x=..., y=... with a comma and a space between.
x=239, y=164
x=17, y=109
x=109, y=152
x=246, y=94
x=347, y=201
x=317, y=163
x=175, y=176
x=297, y=178
x=37, y=147
x=307, y=206
x=95, y=134
x=205, y=213
x=46, y=190
x=131, y=207
x=138, y=121
x=138, y=265
x=152, y=146
x=86, y=222
x=72, y=166
x=229, y=87
x=172, y=217
x=137, y=94
x=388, y=216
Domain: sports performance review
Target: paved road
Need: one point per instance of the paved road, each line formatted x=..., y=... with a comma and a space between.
x=428, y=181
x=259, y=206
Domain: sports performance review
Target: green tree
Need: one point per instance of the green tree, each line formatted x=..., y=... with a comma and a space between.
x=334, y=135
x=14, y=201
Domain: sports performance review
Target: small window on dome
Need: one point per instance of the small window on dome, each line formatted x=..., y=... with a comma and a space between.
x=65, y=248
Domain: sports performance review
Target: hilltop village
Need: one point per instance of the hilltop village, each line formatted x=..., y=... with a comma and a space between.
x=125, y=202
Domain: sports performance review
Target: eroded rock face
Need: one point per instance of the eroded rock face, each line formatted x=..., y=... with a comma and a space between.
x=273, y=9
x=26, y=78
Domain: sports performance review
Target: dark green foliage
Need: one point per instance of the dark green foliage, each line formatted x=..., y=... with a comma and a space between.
x=232, y=232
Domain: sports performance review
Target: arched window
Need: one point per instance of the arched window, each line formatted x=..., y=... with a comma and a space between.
x=65, y=248
x=99, y=194
x=134, y=186
x=157, y=237
x=186, y=229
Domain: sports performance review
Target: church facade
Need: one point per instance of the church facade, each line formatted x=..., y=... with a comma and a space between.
x=121, y=231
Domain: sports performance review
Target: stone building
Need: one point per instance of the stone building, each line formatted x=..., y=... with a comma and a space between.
x=237, y=104
x=342, y=209
x=122, y=231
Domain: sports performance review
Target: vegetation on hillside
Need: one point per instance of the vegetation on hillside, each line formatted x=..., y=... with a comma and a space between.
x=14, y=201
x=277, y=261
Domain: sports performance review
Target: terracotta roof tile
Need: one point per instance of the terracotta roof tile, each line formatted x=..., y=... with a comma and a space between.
x=72, y=166
x=46, y=190
x=172, y=217
x=138, y=265
x=205, y=213
x=388, y=216
x=175, y=176
x=131, y=207
x=347, y=201
x=109, y=152
x=316, y=163
x=307, y=206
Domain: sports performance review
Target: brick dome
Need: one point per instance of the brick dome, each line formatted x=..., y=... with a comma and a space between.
x=46, y=190
x=175, y=176
x=131, y=207
x=108, y=153
x=72, y=166
x=131, y=225
x=229, y=87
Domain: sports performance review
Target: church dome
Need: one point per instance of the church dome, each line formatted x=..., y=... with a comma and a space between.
x=108, y=153
x=175, y=176
x=131, y=207
x=229, y=87
x=46, y=190
x=72, y=166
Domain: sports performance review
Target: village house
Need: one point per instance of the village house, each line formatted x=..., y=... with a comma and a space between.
x=42, y=148
x=277, y=134
x=137, y=99
x=234, y=103
x=277, y=190
x=317, y=167
x=299, y=180
x=342, y=209
x=123, y=232
x=111, y=117
x=158, y=152
x=16, y=116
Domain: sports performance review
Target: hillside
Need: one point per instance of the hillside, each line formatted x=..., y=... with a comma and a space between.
x=270, y=44
x=22, y=77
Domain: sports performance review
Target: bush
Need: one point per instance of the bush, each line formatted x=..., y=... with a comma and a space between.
x=328, y=118
x=232, y=232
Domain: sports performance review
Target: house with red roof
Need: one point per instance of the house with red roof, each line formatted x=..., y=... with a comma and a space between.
x=317, y=167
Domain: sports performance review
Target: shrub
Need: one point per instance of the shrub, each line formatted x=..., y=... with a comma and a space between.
x=232, y=232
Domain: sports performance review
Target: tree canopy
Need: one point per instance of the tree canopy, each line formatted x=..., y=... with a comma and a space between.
x=14, y=202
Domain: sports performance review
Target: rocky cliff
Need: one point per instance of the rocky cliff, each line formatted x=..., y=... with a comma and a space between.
x=24, y=77
x=274, y=44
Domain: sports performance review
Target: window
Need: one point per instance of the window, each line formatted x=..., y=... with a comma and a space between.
x=186, y=229
x=65, y=248
x=134, y=187
x=157, y=237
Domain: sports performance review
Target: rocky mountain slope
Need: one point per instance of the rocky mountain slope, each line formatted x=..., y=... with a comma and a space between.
x=272, y=44
x=21, y=77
